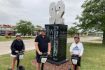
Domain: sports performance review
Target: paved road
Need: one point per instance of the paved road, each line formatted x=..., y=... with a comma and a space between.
x=29, y=44
x=5, y=46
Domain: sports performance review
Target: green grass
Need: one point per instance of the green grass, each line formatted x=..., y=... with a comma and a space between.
x=3, y=38
x=5, y=61
x=93, y=58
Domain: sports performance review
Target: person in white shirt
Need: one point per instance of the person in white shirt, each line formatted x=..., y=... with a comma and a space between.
x=77, y=49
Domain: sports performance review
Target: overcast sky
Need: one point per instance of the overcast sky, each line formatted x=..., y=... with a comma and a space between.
x=36, y=11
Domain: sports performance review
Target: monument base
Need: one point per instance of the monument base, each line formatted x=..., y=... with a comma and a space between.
x=58, y=63
x=64, y=66
x=58, y=37
x=50, y=66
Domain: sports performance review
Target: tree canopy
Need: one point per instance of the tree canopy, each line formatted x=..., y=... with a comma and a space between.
x=72, y=31
x=93, y=16
x=25, y=27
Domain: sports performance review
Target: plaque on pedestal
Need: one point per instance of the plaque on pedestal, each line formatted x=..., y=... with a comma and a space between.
x=58, y=36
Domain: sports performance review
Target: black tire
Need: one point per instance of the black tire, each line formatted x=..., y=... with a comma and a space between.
x=42, y=66
x=75, y=67
x=21, y=68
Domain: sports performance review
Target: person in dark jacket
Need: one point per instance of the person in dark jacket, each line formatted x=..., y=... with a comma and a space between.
x=16, y=46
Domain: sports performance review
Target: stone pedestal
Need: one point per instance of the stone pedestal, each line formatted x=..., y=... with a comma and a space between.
x=49, y=66
x=58, y=36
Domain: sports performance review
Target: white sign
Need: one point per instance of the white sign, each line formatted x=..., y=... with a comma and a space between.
x=56, y=12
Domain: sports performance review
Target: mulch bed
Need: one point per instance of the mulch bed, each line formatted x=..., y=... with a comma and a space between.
x=49, y=66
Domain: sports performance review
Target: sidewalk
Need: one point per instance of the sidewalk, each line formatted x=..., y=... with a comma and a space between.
x=5, y=46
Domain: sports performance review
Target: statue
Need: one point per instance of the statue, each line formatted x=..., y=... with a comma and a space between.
x=56, y=12
x=57, y=32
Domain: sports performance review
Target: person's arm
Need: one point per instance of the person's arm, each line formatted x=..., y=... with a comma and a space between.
x=36, y=46
x=82, y=50
x=37, y=49
x=23, y=46
x=13, y=46
x=49, y=48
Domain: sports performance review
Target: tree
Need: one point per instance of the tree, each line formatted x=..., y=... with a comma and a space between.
x=72, y=31
x=38, y=27
x=93, y=16
x=25, y=27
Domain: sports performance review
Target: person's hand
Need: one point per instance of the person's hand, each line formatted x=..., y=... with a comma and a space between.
x=40, y=53
x=16, y=51
x=48, y=53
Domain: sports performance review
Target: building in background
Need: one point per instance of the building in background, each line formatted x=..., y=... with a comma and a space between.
x=6, y=29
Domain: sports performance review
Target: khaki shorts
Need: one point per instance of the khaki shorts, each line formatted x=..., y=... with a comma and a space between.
x=13, y=55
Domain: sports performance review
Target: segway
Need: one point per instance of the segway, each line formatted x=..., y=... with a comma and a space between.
x=19, y=56
x=74, y=60
x=44, y=57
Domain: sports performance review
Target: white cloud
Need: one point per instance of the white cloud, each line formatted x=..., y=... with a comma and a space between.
x=36, y=11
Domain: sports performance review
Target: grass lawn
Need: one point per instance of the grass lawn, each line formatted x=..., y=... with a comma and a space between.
x=6, y=59
x=3, y=38
x=93, y=58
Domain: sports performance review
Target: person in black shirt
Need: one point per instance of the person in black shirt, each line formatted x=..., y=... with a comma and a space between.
x=42, y=45
x=16, y=46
